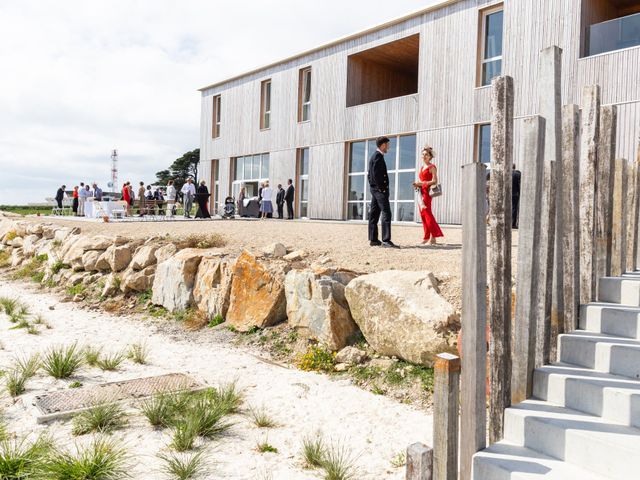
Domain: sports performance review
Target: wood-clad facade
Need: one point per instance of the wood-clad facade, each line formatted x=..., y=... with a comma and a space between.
x=446, y=111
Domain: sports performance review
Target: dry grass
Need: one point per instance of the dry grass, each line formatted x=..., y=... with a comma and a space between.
x=202, y=240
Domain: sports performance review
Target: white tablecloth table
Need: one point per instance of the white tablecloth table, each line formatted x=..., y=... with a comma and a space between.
x=99, y=209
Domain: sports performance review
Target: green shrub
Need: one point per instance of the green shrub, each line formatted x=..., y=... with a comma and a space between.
x=59, y=265
x=317, y=358
x=215, y=321
x=74, y=290
x=265, y=447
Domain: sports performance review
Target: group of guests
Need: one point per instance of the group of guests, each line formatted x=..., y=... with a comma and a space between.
x=148, y=200
x=265, y=200
x=80, y=195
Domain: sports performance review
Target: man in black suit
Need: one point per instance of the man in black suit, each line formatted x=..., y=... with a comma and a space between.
x=288, y=197
x=379, y=185
x=280, y=201
x=515, y=196
x=60, y=195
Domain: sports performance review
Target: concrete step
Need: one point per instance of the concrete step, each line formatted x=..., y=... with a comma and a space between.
x=621, y=290
x=611, y=319
x=609, y=396
x=592, y=443
x=604, y=353
x=506, y=461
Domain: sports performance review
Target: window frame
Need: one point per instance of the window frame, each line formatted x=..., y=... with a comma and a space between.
x=216, y=116
x=265, y=97
x=248, y=179
x=302, y=93
x=395, y=172
x=478, y=143
x=299, y=179
x=484, y=14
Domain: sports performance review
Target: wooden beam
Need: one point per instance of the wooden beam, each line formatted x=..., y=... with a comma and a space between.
x=570, y=207
x=619, y=216
x=419, y=462
x=588, y=162
x=633, y=197
x=604, y=191
x=446, y=394
x=499, y=271
x=474, y=317
x=528, y=264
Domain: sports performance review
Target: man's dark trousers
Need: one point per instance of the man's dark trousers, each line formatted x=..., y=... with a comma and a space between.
x=290, y=209
x=379, y=205
x=280, y=210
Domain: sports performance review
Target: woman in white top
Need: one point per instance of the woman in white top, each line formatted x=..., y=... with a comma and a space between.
x=171, y=198
x=266, y=207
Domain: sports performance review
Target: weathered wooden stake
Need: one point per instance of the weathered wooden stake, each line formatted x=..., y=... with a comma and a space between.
x=474, y=317
x=545, y=337
x=528, y=262
x=499, y=270
x=588, y=161
x=419, y=462
x=570, y=207
x=633, y=198
x=619, y=217
x=550, y=108
x=604, y=190
x=446, y=394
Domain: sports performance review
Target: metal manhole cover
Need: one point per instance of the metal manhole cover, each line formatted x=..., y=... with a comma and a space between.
x=66, y=402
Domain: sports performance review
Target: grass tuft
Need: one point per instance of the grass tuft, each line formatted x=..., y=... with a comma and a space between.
x=110, y=362
x=21, y=460
x=265, y=447
x=62, y=362
x=28, y=366
x=313, y=450
x=102, y=459
x=261, y=417
x=102, y=418
x=180, y=466
x=338, y=463
x=138, y=353
x=210, y=240
x=399, y=460
x=15, y=382
x=75, y=384
x=159, y=410
x=185, y=433
x=91, y=355
x=9, y=305
x=215, y=321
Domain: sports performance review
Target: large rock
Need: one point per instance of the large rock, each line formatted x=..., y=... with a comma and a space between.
x=317, y=307
x=102, y=264
x=90, y=259
x=137, y=280
x=402, y=314
x=275, y=250
x=144, y=257
x=165, y=252
x=30, y=245
x=174, y=279
x=99, y=242
x=257, y=294
x=35, y=229
x=16, y=257
x=212, y=287
x=118, y=257
x=17, y=242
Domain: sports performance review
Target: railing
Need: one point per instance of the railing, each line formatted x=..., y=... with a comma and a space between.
x=614, y=34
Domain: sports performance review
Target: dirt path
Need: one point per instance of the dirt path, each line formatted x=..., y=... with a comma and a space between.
x=374, y=427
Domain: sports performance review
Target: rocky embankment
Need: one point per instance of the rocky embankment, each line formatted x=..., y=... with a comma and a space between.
x=399, y=313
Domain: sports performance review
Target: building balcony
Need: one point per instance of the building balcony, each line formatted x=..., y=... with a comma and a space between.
x=616, y=34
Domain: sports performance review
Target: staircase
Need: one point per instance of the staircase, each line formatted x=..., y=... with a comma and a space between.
x=583, y=422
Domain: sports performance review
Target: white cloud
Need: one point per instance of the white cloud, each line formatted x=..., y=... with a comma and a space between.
x=79, y=78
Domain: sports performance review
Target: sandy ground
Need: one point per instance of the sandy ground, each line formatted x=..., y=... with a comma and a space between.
x=374, y=427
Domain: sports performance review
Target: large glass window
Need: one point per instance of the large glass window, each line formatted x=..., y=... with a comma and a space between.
x=401, y=167
x=217, y=115
x=215, y=184
x=265, y=105
x=303, y=182
x=304, y=95
x=249, y=172
x=491, y=61
x=483, y=143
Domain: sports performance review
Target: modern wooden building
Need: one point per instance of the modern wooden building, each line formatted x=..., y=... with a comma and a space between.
x=420, y=79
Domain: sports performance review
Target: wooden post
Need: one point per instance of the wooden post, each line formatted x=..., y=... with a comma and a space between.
x=588, y=161
x=550, y=108
x=474, y=317
x=633, y=198
x=499, y=270
x=419, y=462
x=604, y=191
x=528, y=263
x=446, y=393
x=545, y=337
x=619, y=217
x=570, y=207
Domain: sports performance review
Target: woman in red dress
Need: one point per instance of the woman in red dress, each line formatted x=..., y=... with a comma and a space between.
x=126, y=198
x=428, y=177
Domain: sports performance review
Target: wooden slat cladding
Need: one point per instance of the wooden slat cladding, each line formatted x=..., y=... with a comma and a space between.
x=443, y=113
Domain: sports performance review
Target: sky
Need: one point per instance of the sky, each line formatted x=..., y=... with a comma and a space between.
x=79, y=78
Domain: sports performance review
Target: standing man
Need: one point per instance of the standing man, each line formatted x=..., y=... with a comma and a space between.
x=280, y=201
x=515, y=196
x=97, y=192
x=188, y=194
x=60, y=195
x=82, y=198
x=379, y=185
x=288, y=197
